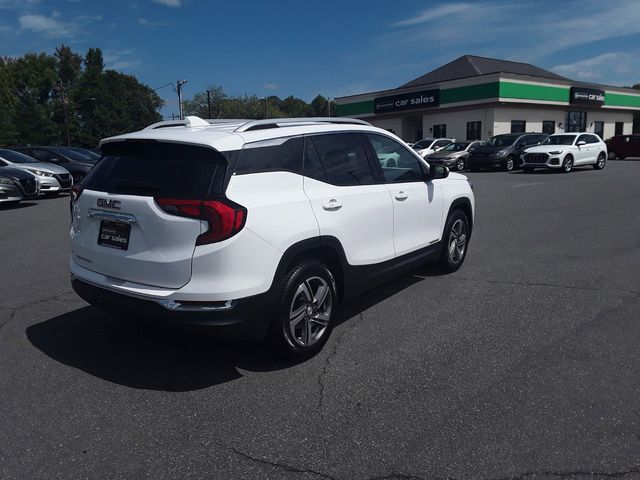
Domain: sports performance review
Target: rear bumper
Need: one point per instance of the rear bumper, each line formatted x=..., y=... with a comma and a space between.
x=249, y=318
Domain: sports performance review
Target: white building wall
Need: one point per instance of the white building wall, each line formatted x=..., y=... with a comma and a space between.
x=535, y=116
x=456, y=122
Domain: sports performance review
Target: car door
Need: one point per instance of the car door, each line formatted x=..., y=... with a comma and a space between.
x=417, y=203
x=583, y=152
x=348, y=201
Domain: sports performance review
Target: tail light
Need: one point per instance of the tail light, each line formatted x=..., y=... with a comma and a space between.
x=76, y=191
x=225, y=218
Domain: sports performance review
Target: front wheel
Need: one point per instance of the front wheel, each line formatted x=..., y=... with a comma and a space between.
x=454, y=242
x=306, y=310
x=600, y=163
x=510, y=164
x=567, y=164
x=460, y=164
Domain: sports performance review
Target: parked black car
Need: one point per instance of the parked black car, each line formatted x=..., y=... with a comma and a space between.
x=503, y=150
x=78, y=163
x=17, y=185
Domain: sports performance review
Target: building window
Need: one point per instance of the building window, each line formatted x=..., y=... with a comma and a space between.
x=576, y=122
x=474, y=130
x=549, y=127
x=598, y=129
x=518, y=126
x=440, y=131
x=619, y=128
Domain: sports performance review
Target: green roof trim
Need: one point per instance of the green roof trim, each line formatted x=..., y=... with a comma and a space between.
x=469, y=93
x=526, y=91
x=621, y=100
x=356, y=108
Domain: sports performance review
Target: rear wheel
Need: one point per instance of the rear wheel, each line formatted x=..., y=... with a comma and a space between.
x=600, y=163
x=306, y=310
x=454, y=241
x=567, y=164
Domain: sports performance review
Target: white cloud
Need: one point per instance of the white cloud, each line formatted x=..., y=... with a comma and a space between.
x=52, y=27
x=123, y=59
x=15, y=4
x=435, y=14
x=169, y=3
x=606, y=67
x=271, y=86
x=5, y=29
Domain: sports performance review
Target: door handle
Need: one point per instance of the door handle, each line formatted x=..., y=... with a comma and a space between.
x=401, y=196
x=332, y=205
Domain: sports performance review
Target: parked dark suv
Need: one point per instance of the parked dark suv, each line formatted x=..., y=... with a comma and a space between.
x=76, y=162
x=503, y=150
x=622, y=146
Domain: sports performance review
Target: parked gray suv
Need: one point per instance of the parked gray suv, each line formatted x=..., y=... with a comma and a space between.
x=503, y=150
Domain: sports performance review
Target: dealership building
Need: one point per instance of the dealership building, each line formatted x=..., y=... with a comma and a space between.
x=474, y=98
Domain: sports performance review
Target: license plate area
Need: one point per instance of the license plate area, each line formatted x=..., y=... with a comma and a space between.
x=114, y=234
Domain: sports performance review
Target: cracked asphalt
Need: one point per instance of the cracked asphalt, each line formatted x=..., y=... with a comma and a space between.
x=525, y=364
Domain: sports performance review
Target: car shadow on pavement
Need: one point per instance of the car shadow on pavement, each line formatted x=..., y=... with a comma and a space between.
x=16, y=206
x=160, y=357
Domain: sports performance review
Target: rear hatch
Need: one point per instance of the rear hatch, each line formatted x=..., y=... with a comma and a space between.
x=127, y=222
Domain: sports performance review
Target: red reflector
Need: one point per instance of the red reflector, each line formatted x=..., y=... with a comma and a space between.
x=224, y=217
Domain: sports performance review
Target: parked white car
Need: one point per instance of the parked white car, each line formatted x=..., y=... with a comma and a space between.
x=427, y=146
x=53, y=179
x=564, y=151
x=260, y=228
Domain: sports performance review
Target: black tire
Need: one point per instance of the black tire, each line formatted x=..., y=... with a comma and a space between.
x=621, y=157
x=612, y=155
x=451, y=258
x=567, y=164
x=317, y=318
x=510, y=163
x=600, y=162
x=460, y=164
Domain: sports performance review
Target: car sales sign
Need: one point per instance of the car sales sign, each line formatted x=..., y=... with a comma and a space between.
x=407, y=101
x=587, y=96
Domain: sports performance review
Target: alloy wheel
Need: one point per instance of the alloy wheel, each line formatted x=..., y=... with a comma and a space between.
x=310, y=311
x=510, y=164
x=460, y=164
x=567, y=165
x=457, y=241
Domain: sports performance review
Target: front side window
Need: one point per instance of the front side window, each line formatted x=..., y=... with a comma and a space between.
x=441, y=143
x=344, y=159
x=583, y=138
x=455, y=147
x=505, y=140
x=396, y=162
x=560, y=140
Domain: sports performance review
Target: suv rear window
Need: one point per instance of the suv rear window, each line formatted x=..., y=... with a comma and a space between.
x=153, y=169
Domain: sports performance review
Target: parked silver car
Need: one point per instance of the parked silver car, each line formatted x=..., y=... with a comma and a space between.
x=454, y=155
x=53, y=179
x=16, y=185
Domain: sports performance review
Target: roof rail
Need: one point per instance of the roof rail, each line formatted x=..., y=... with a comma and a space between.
x=277, y=122
x=244, y=125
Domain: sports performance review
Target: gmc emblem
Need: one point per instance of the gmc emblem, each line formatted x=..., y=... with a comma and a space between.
x=103, y=202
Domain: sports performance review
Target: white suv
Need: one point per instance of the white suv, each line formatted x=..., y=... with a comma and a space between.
x=259, y=228
x=427, y=146
x=565, y=151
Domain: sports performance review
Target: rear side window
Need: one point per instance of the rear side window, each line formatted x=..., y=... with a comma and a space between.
x=153, y=169
x=344, y=159
x=274, y=155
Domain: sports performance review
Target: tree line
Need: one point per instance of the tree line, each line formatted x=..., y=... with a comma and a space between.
x=68, y=98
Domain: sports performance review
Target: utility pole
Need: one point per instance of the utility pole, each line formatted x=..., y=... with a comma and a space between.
x=66, y=114
x=179, y=84
x=209, y=103
x=329, y=105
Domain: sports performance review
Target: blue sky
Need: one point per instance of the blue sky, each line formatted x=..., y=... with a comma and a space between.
x=330, y=47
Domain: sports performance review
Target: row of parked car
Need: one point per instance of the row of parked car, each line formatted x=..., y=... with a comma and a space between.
x=27, y=172
x=528, y=151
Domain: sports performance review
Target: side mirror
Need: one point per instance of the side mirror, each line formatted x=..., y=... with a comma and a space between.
x=438, y=171
x=581, y=143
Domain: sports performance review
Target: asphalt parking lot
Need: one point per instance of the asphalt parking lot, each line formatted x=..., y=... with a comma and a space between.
x=524, y=364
